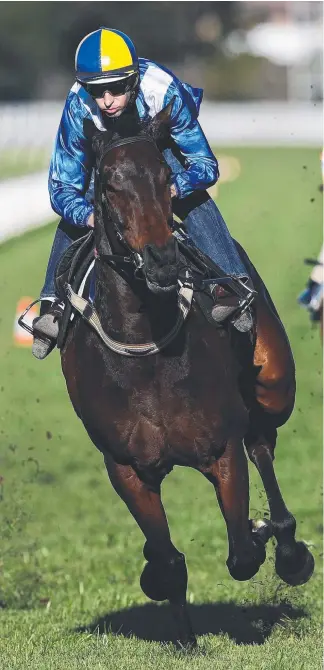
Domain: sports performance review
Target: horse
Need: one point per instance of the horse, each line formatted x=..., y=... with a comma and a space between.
x=171, y=388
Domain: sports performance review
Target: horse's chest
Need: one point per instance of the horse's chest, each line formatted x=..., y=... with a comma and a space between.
x=176, y=412
x=161, y=410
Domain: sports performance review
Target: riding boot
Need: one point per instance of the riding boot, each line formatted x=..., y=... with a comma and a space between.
x=46, y=328
x=228, y=305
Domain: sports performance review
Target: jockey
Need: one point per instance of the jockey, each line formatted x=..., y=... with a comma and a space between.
x=109, y=78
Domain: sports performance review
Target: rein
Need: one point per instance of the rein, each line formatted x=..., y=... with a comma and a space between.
x=87, y=310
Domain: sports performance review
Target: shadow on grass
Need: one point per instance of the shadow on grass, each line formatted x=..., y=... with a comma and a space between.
x=245, y=625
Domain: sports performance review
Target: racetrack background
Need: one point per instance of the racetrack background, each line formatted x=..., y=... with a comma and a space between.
x=71, y=553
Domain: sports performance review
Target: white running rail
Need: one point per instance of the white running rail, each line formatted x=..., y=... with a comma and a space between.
x=29, y=127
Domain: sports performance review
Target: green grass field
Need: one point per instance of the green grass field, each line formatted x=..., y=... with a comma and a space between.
x=15, y=163
x=71, y=555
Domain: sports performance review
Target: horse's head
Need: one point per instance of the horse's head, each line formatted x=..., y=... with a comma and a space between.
x=135, y=188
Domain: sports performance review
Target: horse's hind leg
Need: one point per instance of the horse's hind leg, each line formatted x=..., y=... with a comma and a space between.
x=273, y=403
x=229, y=475
x=165, y=575
x=294, y=562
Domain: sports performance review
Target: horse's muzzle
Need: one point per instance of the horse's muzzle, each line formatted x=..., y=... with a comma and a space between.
x=161, y=266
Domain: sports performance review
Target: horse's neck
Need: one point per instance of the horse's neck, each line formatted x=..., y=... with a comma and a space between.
x=128, y=310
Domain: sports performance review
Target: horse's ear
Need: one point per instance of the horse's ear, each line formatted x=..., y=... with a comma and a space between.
x=159, y=127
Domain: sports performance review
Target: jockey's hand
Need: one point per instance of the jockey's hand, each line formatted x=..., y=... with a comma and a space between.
x=173, y=191
x=90, y=221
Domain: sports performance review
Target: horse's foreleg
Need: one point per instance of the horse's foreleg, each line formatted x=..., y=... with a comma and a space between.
x=165, y=574
x=229, y=475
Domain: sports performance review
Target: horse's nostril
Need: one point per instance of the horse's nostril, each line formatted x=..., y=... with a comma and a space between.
x=161, y=265
x=166, y=254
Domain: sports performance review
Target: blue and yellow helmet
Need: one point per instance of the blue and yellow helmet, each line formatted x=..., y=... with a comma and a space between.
x=105, y=55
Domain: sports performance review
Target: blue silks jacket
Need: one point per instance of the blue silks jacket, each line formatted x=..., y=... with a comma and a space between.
x=71, y=170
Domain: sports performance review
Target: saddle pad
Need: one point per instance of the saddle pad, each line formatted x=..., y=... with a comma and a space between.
x=86, y=288
x=73, y=263
x=83, y=284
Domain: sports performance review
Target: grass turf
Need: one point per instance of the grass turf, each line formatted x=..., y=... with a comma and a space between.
x=17, y=162
x=71, y=553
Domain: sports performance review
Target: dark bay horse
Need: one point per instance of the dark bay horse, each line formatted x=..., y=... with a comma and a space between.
x=194, y=402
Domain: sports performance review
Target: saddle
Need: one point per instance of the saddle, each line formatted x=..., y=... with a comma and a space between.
x=72, y=269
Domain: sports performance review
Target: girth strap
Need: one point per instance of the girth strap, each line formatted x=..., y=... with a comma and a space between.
x=90, y=315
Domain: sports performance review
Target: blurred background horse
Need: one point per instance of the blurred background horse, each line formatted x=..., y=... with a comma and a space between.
x=312, y=296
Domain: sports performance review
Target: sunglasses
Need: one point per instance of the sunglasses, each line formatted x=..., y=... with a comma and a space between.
x=114, y=88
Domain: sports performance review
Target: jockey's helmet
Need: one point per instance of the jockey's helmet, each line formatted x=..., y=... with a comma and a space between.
x=106, y=55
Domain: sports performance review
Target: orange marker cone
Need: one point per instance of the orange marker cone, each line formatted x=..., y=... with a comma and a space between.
x=20, y=336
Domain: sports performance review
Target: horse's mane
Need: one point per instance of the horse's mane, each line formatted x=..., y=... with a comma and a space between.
x=127, y=125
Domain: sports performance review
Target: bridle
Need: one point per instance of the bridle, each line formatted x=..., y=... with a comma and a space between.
x=133, y=257
x=87, y=310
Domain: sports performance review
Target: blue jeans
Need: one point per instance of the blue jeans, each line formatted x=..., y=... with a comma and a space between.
x=202, y=221
x=206, y=227
x=61, y=242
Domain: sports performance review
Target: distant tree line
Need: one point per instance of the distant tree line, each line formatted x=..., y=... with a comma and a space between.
x=38, y=39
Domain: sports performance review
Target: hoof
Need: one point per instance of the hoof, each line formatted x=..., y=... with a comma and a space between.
x=298, y=570
x=164, y=579
x=243, y=571
x=151, y=585
x=245, y=566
